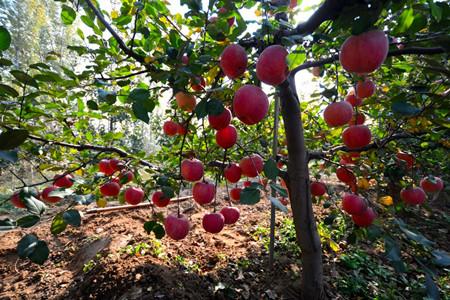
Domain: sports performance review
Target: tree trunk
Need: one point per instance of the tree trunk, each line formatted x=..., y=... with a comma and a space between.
x=300, y=197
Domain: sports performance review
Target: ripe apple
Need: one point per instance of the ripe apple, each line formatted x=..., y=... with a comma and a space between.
x=191, y=169
x=366, y=218
x=17, y=201
x=115, y=164
x=159, y=199
x=110, y=189
x=125, y=177
x=233, y=61
x=177, y=227
x=413, y=196
x=104, y=166
x=65, y=181
x=251, y=165
x=364, y=53
x=407, y=158
x=226, y=137
x=185, y=59
x=50, y=199
x=185, y=101
x=345, y=175
x=349, y=158
x=356, y=136
x=338, y=113
x=353, y=99
x=133, y=195
x=358, y=118
x=250, y=104
x=170, y=128
x=235, y=194
x=220, y=121
x=318, y=188
x=271, y=67
x=181, y=129
x=354, y=204
x=213, y=222
x=198, y=83
x=232, y=173
x=432, y=184
x=247, y=183
x=231, y=214
x=203, y=192
x=365, y=89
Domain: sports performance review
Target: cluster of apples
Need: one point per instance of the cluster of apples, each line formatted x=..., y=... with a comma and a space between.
x=109, y=167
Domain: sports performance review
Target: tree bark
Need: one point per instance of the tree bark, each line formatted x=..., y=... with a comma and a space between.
x=300, y=197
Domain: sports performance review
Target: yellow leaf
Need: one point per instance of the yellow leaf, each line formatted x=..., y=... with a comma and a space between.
x=258, y=13
x=79, y=172
x=101, y=202
x=386, y=200
x=114, y=14
x=363, y=183
x=149, y=59
x=385, y=89
x=334, y=246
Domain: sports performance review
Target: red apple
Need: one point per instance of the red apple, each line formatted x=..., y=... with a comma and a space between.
x=159, y=199
x=203, y=192
x=220, y=121
x=185, y=101
x=233, y=61
x=366, y=218
x=65, y=181
x=365, y=89
x=177, y=227
x=364, y=53
x=232, y=173
x=198, y=83
x=413, y=196
x=251, y=165
x=50, y=199
x=170, y=128
x=235, y=194
x=125, y=177
x=432, y=184
x=213, y=222
x=226, y=137
x=185, y=59
x=345, y=175
x=181, y=129
x=247, y=183
x=407, y=158
x=271, y=67
x=284, y=201
x=104, y=166
x=318, y=188
x=338, y=113
x=115, y=164
x=250, y=104
x=356, y=136
x=110, y=189
x=357, y=119
x=350, y=158
x=134, y=195
x=17, y=201
x=230, y=214
x=292, y=4
x=352, y=99
x=354, y=204
x=191, y=169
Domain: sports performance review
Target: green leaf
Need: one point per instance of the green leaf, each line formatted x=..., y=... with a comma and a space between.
x=5, y=38
x=140, y=112
x=214, y=107
x=250, y=195
x=404, y=21
x=11, y=139
x=61, y=192
x=139, y=94
x=91, y=104
x=159, y=231
x=415, y=236
x=295, y=59
x=24, y=78
x=34, y=205
x=7, y=224
x=280, y=190
x=148, y=226
x=201, y=109
x=392, y=252
x=72, y=217
x=58, y=224
x=441, y=258
x=106, y=96
x=68, y=15
x=26, y=245
x=28, y=221
x=9, y=156
x=436, y=11
x=404, y=108
x=278, y=204
x=40, y=253
x=270, y=169
x=7, y=90
x=168, y=191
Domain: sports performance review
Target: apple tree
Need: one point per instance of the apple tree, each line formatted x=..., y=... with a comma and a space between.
x=379, y=116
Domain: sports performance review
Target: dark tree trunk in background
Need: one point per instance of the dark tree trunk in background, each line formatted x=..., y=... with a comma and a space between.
x=298, y=184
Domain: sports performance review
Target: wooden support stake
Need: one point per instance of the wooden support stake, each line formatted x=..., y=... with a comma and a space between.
x=138, y=206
